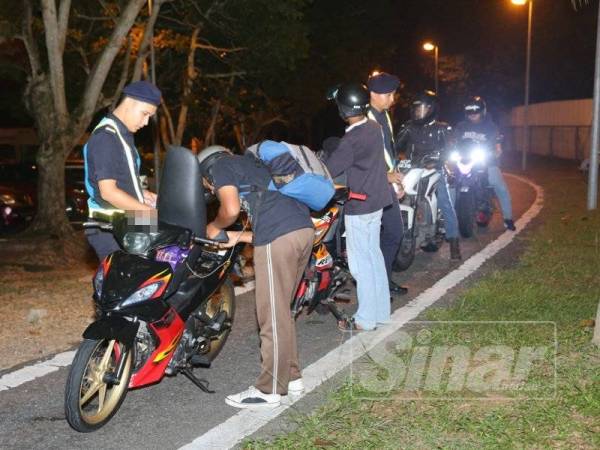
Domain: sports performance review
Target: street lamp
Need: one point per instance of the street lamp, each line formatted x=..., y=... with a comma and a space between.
x=428, y=47
x=527, y=70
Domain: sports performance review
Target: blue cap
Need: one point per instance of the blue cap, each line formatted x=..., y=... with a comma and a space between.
x=383, y=83
x=143, y=91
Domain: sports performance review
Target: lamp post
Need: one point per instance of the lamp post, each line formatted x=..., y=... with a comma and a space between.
x=527, y=70
x=428, y=47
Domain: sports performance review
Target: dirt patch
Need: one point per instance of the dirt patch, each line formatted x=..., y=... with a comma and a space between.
x=43, y=311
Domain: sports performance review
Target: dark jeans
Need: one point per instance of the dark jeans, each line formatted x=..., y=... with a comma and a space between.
x=392, y=231
x=103, y=242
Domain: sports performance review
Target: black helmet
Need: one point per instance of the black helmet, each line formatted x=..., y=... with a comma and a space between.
x=424, y=107
x=352, y=99
x=475, y=105
x=208, y=157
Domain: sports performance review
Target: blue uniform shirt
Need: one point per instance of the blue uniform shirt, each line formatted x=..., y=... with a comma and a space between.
x=105, y=159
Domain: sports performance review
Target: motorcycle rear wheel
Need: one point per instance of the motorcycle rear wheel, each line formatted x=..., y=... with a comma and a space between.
x=90, y=399
x=465, y=213
x=222, y=300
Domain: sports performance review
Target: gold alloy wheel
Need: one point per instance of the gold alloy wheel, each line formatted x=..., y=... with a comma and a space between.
x=97, y=399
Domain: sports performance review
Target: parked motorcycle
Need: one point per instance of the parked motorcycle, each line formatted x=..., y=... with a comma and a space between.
x=164, y=303
x=422, y=223
x=469, y=178
x=327, y=269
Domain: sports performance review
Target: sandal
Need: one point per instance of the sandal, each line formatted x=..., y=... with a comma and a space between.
x=349, y=325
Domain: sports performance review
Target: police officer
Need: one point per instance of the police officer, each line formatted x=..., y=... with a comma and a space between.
x=112, y=163
x=424, y=134
x=382, y=87
x=479, y=127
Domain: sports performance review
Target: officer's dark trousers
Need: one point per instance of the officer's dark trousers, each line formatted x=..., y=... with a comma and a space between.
x=392, y=230
x=103, y=242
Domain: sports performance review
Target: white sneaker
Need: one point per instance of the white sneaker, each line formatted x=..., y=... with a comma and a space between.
x=296, y=387
x=252, y=398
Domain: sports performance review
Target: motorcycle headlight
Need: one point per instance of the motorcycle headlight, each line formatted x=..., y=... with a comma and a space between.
x=136, y=242
x=8, y=199
x=98, y=281
x=455, y=156
x=478, y=155
x=141, y=294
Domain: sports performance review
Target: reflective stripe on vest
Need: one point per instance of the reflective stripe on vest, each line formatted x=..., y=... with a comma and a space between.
x=388, y=159
x=112, y=126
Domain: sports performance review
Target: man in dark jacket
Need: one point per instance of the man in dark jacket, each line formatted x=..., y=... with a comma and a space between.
x=282, y=236
x=382, y=87
x=360, y=156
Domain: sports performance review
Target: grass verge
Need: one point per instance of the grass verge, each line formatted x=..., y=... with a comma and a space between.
x=556, y=405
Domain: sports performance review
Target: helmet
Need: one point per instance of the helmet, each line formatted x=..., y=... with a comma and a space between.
x=475, y=105
x=208, y=157
x=352, y=99
x=424, y=107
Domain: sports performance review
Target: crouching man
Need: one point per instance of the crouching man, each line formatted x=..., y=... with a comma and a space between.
x=282, y=236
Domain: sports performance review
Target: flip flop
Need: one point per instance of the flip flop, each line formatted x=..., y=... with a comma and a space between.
x=349, y=325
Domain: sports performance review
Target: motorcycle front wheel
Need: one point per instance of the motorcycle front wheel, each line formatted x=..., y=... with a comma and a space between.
x=93, y=394
x=465, y=213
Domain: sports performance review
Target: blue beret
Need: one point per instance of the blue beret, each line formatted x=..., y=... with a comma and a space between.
x=383, y=83
x=143, y=91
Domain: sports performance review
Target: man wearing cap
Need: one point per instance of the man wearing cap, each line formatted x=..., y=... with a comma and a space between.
x=112, y=163
x=382, y=87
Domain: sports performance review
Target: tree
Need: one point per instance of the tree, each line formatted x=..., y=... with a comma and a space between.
x=229, y=66
x=61, y=112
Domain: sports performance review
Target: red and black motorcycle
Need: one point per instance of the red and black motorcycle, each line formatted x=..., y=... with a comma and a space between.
x=164, y=302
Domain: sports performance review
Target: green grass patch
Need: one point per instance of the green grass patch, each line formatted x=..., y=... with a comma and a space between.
x=556, y=279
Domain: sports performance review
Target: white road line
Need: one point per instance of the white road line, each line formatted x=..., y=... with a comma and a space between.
x=246, y=422
x=31, y=372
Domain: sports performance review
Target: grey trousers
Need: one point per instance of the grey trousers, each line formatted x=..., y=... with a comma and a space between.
x=278, y=268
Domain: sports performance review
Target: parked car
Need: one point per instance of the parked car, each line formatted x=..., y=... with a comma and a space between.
x=16, y=208
x=18, y=182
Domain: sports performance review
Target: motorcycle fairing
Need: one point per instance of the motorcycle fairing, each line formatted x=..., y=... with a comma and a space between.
x=167, y=331
x=128, y=274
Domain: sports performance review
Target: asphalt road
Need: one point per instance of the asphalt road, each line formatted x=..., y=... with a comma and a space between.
x=174, y=412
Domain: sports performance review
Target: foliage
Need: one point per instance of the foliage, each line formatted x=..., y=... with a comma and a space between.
x=539, y=287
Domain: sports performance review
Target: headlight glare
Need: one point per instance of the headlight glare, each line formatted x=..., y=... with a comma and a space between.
x=455, y=156
x=478, y=155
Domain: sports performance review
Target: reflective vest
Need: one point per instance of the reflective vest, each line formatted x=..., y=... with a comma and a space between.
x=387, y=153
x=93, y=204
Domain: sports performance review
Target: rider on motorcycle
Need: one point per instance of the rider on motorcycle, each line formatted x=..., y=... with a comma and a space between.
x=480, y=128
x=423, y=134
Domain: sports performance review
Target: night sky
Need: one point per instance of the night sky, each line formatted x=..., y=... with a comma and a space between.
x=489, y=34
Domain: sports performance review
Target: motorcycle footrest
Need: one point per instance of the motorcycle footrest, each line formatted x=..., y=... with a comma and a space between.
x=200, y=361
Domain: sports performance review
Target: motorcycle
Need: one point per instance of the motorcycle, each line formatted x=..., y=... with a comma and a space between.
x=469, y=178
x=423, y=226
x=327, y=268
x=164, y=303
